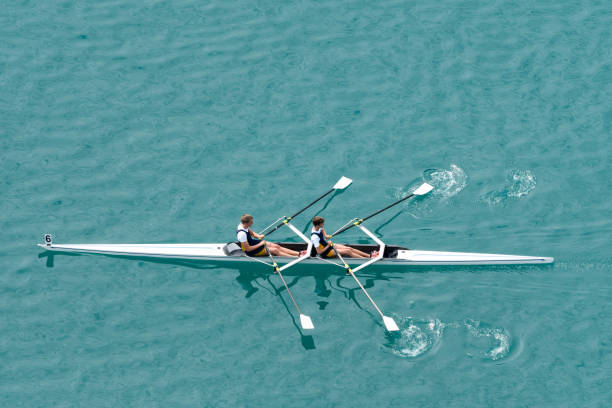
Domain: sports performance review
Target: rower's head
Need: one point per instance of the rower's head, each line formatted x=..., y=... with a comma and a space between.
x=318, y=222
x=247, y=220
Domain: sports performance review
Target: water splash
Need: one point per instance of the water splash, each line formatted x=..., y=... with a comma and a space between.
x=518, y=183
x=522, y=183
x=499, y=339
x=415, y=337
x=446, y=183
x=418, y=337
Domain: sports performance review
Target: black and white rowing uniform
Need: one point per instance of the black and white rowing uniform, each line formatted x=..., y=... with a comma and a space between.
x=318, y=241
x=244, y=235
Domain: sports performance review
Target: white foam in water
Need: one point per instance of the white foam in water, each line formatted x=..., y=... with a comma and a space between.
x=504, y=345
x=519, y=183
x=522, y=182
x=416, y=337
x=416, y=342
x=500, y=337
x=446, y=183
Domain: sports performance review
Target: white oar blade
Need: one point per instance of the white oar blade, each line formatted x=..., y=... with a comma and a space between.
x=306, y=322
x=423, y=189
x=390, y=324
x=343, y=183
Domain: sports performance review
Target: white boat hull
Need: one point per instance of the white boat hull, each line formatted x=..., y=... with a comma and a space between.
x=214, y=252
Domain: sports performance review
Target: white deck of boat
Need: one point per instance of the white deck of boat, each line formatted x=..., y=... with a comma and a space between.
x=214, y=252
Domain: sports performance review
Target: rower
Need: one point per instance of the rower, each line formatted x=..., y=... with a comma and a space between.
x=253, y=244
x=318, y=237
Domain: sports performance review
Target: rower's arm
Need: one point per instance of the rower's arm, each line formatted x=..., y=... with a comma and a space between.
x=321, y=250
x=252, y=247
x=256, y=235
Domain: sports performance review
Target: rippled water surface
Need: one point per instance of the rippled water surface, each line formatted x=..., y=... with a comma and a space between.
x=158, y=122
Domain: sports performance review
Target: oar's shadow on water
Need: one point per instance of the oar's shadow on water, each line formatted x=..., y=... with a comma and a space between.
x=328, y=279
x=248, y=275
x=307, y=340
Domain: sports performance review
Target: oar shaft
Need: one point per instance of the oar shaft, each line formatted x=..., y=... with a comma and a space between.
x=289, y=292
x=312, y=203
x=350, y=271
x=280, y=224
x=277, y=270
x=387, y=207
x=367, y=294
x=372, y=215
x=341, y=184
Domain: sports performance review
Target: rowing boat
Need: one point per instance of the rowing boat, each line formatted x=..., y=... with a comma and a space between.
x=393, y=255
x=388, y=254
x=231, y=251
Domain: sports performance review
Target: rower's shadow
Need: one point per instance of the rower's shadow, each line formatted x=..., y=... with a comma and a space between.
x=328, y=279
x=253, y=277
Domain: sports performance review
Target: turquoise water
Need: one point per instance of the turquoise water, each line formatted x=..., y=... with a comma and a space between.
x=142, y=121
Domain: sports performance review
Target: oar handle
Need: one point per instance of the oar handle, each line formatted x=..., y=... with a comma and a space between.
x=349, y=226
x=280, y=224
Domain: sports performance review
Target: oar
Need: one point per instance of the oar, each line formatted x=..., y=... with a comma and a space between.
x=388, y=321
x=422, y=190
x=341, y=184
x=305, y=321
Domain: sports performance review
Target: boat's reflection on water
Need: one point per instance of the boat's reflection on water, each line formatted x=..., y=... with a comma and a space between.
x=254, y=277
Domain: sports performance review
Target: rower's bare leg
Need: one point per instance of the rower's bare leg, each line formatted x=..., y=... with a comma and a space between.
x=359, y=254
x=343, y=250
x=355, y=253
x=288, y=252
x=350, y=252
x=277, y=250
x=274, y=249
